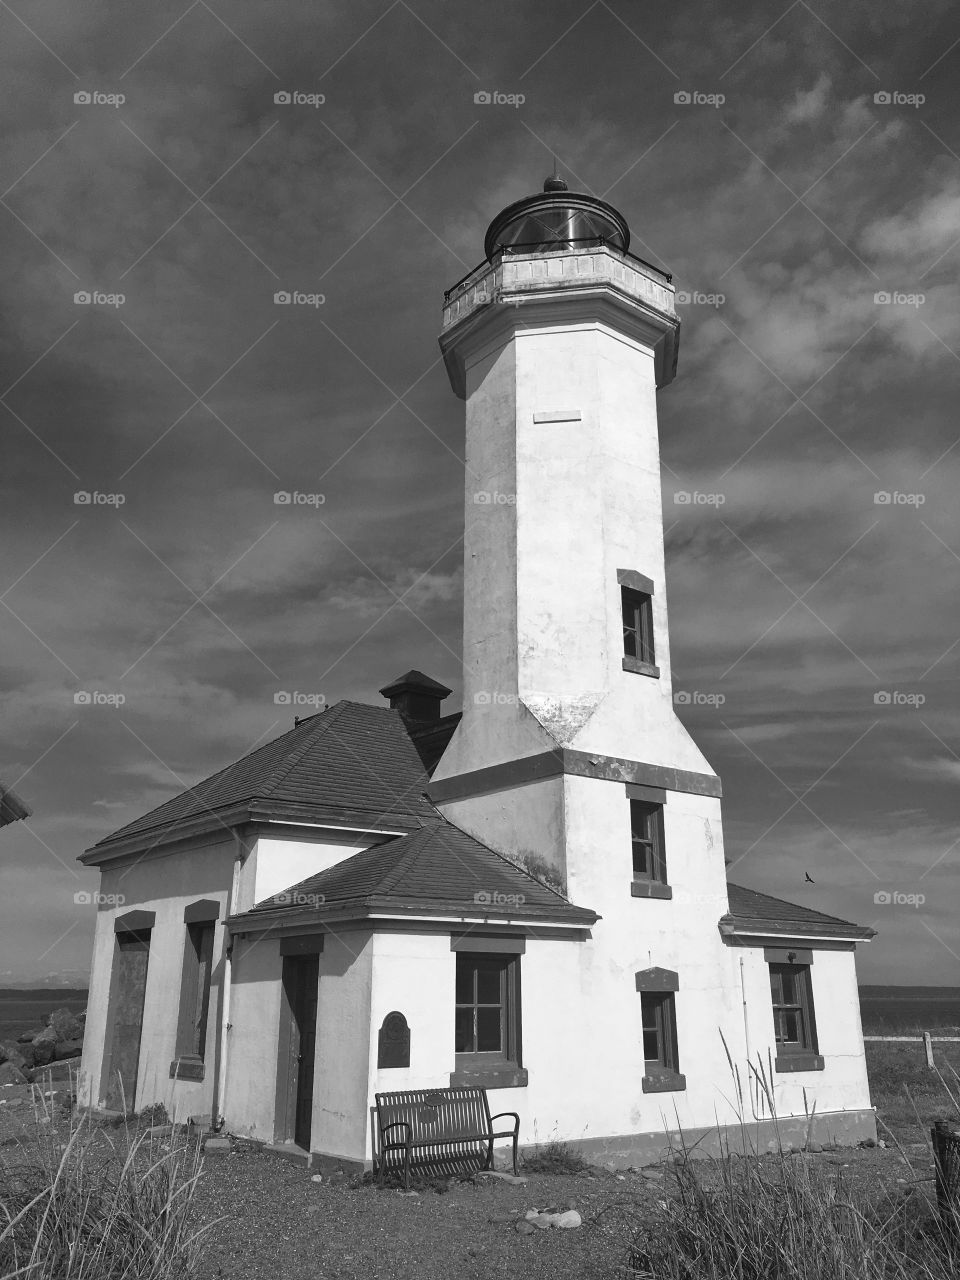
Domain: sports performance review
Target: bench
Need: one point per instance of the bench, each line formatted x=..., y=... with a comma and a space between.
x=440, y=1128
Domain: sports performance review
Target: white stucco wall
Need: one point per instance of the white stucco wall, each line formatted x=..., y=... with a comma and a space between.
x=164, y=884
x=279, y=862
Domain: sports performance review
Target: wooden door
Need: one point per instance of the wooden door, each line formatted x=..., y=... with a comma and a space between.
x=130, y=983
x=301, y=978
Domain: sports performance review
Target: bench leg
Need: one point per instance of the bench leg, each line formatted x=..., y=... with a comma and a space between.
x=515, y=1171
x=489, y=1161
x=406, y=1168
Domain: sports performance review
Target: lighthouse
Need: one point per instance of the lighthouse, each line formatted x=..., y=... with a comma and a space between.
x=558, y=344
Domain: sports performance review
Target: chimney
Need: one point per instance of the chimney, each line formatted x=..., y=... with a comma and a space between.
x=416, y=696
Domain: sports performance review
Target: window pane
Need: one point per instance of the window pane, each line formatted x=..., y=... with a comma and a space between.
x=488, y=1031
x=791, y=1026
x=776, y=994
x=464, y=980
x=642, y=860
x=488, y=984
x=651, y=1046
x=464, y=1031
x=630, y=643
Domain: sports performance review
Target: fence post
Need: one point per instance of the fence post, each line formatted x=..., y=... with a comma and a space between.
x=928, y=1048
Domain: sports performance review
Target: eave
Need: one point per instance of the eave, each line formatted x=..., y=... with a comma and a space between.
x=377, y=908
x=12, y=808
x=226, y=822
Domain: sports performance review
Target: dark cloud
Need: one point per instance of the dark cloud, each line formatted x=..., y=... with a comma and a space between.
x=799, y=399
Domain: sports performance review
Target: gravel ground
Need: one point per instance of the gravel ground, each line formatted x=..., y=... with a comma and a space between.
x=271, y=1221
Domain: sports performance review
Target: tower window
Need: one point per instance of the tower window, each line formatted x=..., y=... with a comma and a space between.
x=637, y=610
x=646, y=835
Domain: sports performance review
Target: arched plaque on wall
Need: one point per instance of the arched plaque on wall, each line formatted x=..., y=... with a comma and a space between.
x=393, y=1045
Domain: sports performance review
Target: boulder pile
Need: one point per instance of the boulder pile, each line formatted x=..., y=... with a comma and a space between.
x=60, y=1040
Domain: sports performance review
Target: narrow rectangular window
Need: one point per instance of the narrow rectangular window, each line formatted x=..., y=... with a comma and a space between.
x=195, y=991
x=791, y=993
x=481, y=1012
x=646, y=833
x=658, y=1019
x=637, y=610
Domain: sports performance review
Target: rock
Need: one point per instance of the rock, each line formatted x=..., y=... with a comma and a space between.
x=568, y=1220
x=217, y=1146
x=881, y=1142
x=27, y=1056
x=44, y=1044
x=67, y=1049
x=25, y=1037
x=815, y=1147
x=160, y=1131
x=11, y=1074
x=65, y=1024
x=317, y=1177
x=525, y=1228
x=502, y=1176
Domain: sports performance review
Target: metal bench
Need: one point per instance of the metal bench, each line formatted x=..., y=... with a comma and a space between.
x=439, y=1128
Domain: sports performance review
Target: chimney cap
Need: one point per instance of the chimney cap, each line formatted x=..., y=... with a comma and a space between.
x=414, y=681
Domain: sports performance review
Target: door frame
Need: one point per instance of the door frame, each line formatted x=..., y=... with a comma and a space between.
x=138, y=924
x=288, y=1039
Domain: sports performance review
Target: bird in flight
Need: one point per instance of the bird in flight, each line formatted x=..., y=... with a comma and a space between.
x=809, y=878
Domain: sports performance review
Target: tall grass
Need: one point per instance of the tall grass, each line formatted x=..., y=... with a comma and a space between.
x=785, y=1216
x=79, y=1201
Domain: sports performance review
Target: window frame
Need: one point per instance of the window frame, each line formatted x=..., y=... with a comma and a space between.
x=502, y=1068
x=802, y=1054
x=658, y=988
x=636, y=598
x=196, y=981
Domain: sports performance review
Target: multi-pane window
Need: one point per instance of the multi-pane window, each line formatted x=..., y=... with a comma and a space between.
x=195, y=993
x=792, y=996
x=646, y=834
x=637, y=609
x=658, y=1021
x=482, y=1004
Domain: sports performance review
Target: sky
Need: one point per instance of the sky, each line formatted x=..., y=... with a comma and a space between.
x=796, y=169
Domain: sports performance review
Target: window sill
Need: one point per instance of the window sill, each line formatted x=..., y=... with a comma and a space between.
x=802, y=1061
x=640, y=668
x=186, y=1068
x=664, y=1082
x=650, y=889
x=507, y=1076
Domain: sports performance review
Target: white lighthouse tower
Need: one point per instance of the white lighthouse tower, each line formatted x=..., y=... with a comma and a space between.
x=569, y=758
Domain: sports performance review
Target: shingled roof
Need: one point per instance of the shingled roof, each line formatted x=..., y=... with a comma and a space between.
x=354, y=763
x=759, y=914
x=436, y=870
x=12, y=808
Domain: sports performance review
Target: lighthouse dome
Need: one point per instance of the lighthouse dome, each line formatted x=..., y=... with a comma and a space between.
x=556, y=219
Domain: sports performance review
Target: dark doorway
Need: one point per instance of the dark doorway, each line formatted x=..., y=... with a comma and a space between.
x=129, y=987
x=301, y=979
